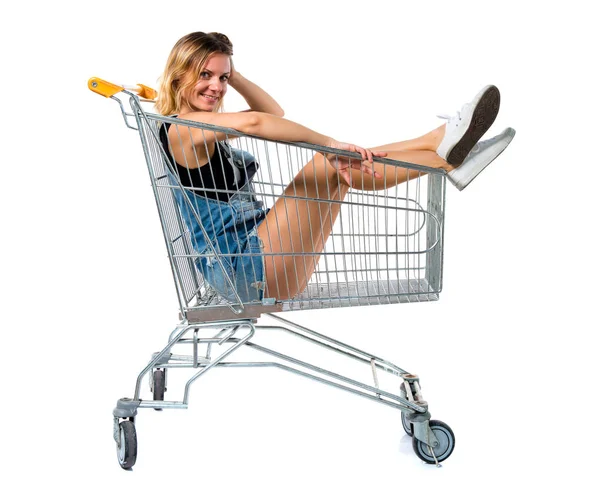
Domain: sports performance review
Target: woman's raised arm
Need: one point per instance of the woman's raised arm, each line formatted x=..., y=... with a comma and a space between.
x=258, y=99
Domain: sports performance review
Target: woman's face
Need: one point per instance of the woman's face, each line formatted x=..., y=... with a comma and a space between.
x=211, y=85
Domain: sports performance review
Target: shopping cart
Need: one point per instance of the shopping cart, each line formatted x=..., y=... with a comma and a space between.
x=385, y=247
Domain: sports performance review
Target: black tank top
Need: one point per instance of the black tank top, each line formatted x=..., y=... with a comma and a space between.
x=217, y=174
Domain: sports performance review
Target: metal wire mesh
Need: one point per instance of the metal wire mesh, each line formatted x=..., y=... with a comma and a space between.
x=385, y=245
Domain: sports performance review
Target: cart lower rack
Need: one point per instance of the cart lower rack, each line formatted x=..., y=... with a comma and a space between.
x=266, y=227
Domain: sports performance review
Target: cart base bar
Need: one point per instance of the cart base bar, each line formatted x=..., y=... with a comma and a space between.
x=433, y=441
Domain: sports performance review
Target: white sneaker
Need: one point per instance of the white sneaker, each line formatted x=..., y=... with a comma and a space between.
x=467, y=127
x=482, y=155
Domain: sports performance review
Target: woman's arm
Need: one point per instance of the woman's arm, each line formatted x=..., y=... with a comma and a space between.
x=274, y=128
x=258, y=124
x=258, y=99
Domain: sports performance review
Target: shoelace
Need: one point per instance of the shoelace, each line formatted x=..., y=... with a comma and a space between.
x=450, y=118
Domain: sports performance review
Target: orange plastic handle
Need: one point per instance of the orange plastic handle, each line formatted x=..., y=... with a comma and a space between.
x=147, y=92
x=107, y=89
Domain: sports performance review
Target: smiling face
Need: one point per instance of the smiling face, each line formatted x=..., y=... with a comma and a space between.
x=210, y=85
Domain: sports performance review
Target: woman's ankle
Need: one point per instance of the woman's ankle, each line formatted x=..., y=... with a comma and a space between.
x=436, y=136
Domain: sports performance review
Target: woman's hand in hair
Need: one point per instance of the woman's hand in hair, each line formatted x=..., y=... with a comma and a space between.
x=257, y=98
x=233, y=74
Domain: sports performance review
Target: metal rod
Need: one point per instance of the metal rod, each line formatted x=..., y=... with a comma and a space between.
x=163, y=404
x=402, y=405
x=328, y=373
x=369, y=358
x=205, y=369
x=338, y=343
x=156, y=360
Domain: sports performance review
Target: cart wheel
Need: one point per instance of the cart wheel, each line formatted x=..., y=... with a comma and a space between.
x=407, y=425
x=158, y=386
x=127, y=445
x=445, y=437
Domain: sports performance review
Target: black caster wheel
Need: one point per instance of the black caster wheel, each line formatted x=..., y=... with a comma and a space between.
x=127, y=444
x=158, y=386
x=446, y=439
x=407, y=425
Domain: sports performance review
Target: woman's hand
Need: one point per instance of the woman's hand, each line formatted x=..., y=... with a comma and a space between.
x=257, y=98
x=344, y=164
x=233, y=74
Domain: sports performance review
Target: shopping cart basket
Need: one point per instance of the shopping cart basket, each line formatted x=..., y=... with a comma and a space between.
x=385, y=247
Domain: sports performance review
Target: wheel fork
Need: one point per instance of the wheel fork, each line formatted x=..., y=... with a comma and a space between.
x=420, y=421
x=126, y=409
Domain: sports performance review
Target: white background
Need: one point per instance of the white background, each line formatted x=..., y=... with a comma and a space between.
x=507, y=357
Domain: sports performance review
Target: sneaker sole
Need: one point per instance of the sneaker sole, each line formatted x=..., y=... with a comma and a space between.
x=510, y=137
x=484, y=116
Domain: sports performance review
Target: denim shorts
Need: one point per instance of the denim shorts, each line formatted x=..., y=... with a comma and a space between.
x=223, y=234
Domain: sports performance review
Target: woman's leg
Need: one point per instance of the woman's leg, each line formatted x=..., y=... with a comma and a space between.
x=298, y=229
x=421, y=151
x=427, y=142
x=390, y=175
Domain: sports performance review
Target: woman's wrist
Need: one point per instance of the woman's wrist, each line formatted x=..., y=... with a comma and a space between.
x=255, y=96
x=234, y=80
x=330, y=142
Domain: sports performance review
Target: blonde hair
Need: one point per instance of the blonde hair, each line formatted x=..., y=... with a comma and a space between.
x=188, y=56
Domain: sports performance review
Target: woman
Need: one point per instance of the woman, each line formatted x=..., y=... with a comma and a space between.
x=198, y=73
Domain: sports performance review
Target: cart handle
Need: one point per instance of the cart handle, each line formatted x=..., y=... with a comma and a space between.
x=107, y=89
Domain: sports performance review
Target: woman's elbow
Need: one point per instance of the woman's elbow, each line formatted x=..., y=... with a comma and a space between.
x=252, y=123
x=279, y=112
